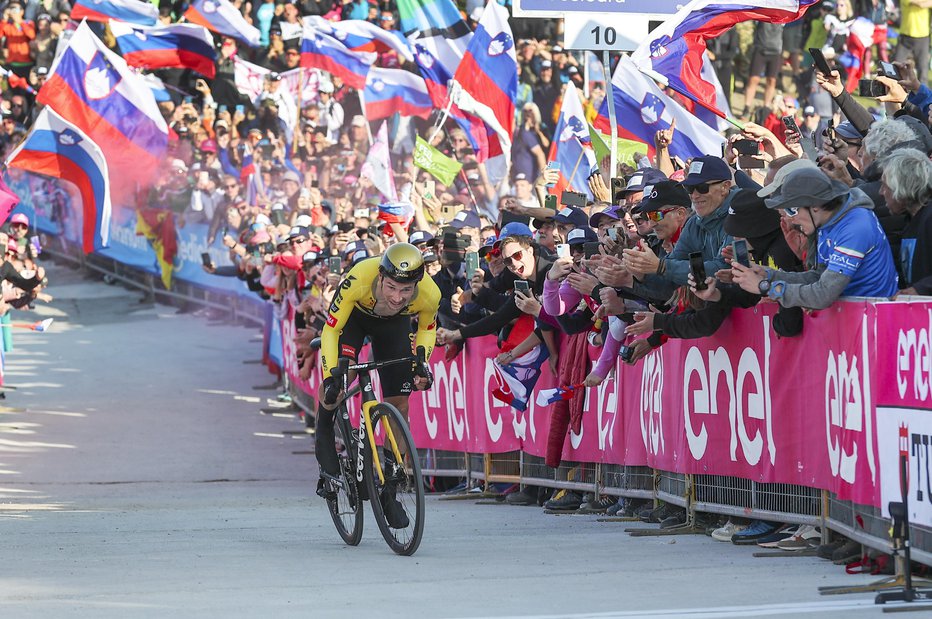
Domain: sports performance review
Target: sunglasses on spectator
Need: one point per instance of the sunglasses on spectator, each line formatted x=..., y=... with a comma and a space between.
x=297, y=241
x=703, y=188
x=17, y=225
x=658, y=215
x=515, y=257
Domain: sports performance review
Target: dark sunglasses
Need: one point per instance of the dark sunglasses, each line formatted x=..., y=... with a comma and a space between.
x=703, y=188
x=515, y=257
x=297, y=241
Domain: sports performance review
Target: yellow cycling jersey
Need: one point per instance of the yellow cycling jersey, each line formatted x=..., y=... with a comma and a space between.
x=357, y=292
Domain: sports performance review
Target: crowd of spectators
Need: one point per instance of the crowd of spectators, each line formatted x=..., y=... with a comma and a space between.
x=835, y=207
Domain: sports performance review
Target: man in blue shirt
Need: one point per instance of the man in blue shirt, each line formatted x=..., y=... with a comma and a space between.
x=854, y=257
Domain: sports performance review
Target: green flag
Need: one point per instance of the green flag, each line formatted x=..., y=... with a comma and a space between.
x=439, y=165
x=625, y=148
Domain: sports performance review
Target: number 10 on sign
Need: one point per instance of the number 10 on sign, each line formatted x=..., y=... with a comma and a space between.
x=606, y=32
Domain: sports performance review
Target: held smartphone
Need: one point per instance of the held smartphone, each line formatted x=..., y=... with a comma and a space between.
x=240, y=109
x=790, y=123
x=887, y=69
x=550, y=202
x=618, y=189
x=447, y=212
x=818, y=58
x=626, y=352
x=360, y=212
x=747, y=147
x=563, y=250
x=430, y=188
x=472, y=263
x=552, y=165
x=871, y=88
x=573, y=198
x=206, y=261
x=739, y=250
x=697, y=268
x=335, y=265
x=522, y=287
x=612, y=234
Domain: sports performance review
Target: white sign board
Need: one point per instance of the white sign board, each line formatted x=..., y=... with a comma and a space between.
x=597, y=8
x=605, y=32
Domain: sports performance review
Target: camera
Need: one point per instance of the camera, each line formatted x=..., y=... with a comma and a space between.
x=626, y=353
x=747, y=147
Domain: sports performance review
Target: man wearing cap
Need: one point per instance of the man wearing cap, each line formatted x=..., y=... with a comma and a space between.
x=853, y=255
x=546, y=94
x=467, y=223
x=634, y=188
x=331, y=112
x=452, y=279
x=709, y=185
x=570, y=217
x=275, y=91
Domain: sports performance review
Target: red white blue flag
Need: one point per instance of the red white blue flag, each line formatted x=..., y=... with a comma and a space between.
x=572, y=147
x=58, y=149
x=92, y=88
x=675, y=48
x=390, y=91
x=129, y=11
x=546, y=397
x=223, y=18
x=322, y=51
x=362, y=36
x=181, y=46
x=517, y=379
x=486, y=81
x=642, y=110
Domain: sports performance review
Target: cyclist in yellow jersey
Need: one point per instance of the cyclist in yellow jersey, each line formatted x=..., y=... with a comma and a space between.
x=377, y=299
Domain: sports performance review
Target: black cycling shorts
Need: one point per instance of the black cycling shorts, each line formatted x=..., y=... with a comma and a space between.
x=390, y=338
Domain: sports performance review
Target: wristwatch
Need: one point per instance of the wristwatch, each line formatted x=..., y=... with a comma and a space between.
x=764, y=286
x=776, y=290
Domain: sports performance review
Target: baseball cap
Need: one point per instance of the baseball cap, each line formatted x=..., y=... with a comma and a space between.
x=781, y=174
x=572, y=216
x=297, y=231
x=748, y=217
x=488, y=246
x=556, y=49
x=520, y=176
x=847, y=131
x=809, y=111
x=707, y=169
x=208, y=146
x=311, y=257
x=805, y=188
x=41, y=71
x=546, y=64
x=611, y=212
x=304, y=221
x=642, y=178
x=664, y=193
x=514, y=228
x=275, y=76
x=291, y=175
x=359, y=121
x=326, y=87
x=466, y=219
x=178, y=164
x=419, y=237
x=19, y=218
x=578, y=236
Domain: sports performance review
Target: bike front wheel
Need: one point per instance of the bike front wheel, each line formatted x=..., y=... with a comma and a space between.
x=403, y=484
x=344, y=501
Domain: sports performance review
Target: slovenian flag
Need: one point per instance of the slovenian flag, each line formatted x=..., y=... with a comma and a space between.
x=390, y=91
x=324, y=52
x=642, y=110
x=572, y=146
x=546, y=397
x=58, y=149
x=362, y=36
x=486, y=81
x=180, y=46
x=675, y=49
x=517, y=379
x=92, y=88
x=223, y=18
x=129, y=11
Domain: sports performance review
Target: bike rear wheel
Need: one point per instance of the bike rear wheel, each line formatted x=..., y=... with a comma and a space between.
x=404, y=478
x=345, y=502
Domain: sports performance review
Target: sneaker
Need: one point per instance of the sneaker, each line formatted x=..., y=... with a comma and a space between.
x=771, y=541
x=394, y=512
x=564, y=501
x=849, y=551
x=618, y=508
x=657, y=515
x=727, y=531
x=597, y=506
x=756, y=530
x=806, y=538
x=676, y=519
x=825, y=551
x=522, y=497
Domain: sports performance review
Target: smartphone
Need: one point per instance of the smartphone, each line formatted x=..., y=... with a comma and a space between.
x=871, y=88
x=747, y=147
x=618, y=189
x=829, y=131
x=240, y=109
x=335, y=264
x=447, y=212
x=818, y=58
x=552, y=165
x=430, y=188
x=739, y=249
x=522, y=287
x=563, y=250
x=472, y=263
x=590, y=249
x=206, y=261
x=888, y=70
x=626, y=352
x=612, y=234
x=790, y=123
x=36, y=244
x=573, y=198
x=697, y=268
x=221, y=108
x=550, y=201
x=361, y=212
x=189, y=99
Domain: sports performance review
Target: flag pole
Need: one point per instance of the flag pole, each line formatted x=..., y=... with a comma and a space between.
x=297, y=127
x=362, y=104
x=578, y=161
x=612, y=119
x=443, y=119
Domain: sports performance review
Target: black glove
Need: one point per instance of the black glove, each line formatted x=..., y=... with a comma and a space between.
x=331, y=391
x=423, y=370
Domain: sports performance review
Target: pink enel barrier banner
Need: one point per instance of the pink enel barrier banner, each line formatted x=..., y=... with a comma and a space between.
x=743, y=403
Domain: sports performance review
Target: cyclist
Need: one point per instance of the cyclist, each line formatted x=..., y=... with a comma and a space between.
x=377, y=299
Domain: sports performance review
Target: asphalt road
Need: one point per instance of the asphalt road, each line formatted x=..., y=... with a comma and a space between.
x=140, y=477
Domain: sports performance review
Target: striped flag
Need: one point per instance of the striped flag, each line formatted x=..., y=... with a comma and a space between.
x=572, y=146
x=322, y=51
x=223, y=18
x=390, y=91
x=362, y=36
x=182, y=46
x=129, y=11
